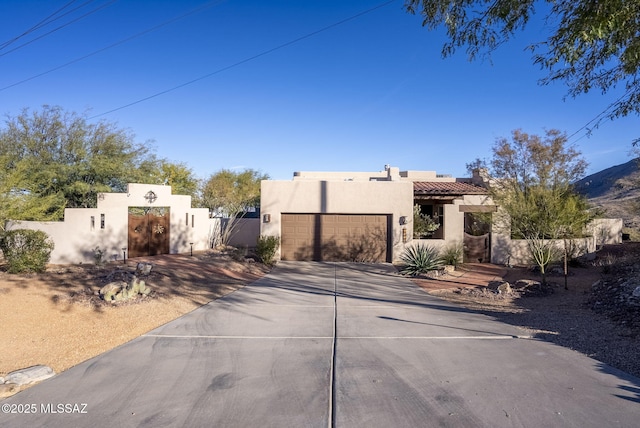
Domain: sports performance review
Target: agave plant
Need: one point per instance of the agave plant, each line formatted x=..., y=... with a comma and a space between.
x=420, y=259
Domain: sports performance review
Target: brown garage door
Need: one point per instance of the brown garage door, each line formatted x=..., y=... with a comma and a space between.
x=335, y=237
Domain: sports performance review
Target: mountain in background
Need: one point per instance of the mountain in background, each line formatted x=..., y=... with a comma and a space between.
x=616, y=190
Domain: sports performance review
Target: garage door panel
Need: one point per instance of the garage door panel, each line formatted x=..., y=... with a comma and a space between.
x=335, y=237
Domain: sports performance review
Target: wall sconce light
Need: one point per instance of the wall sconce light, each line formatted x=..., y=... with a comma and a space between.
x=266, y=218
x=403, y=219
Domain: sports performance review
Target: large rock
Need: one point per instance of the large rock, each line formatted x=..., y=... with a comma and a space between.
x=109, y=291
x=526, y=283
x=449, y=269
x=119, y=290
x=504, y=288
x=143, y=268
x=29, y=375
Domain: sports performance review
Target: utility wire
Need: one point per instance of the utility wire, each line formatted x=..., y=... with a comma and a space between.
x=251, y=58
x=40, y=24
x=120, y=42
x=61, y=27
x=598, y=117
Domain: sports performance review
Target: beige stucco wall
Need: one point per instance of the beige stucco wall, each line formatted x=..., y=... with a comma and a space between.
x=75, y=239
x=245, y=232
x=393, y=198
x=599, y=232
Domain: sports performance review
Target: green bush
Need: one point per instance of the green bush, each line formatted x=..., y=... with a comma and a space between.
x=266, y=249
x=420, y=259
x=452, y=255
x=26, y=250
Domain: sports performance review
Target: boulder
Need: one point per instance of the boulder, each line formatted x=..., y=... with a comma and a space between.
x=526, y=283
x=109, y=291
x=449, y=269
x=29, y=375
x=504, y=288
x=143, y=268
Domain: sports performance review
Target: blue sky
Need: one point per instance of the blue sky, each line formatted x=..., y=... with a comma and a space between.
x=370, y=91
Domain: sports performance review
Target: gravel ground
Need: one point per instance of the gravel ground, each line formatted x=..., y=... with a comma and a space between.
x=602, y=322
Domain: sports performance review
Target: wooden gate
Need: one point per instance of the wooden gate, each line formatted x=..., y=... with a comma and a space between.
x=477, y=238
x=148, y=231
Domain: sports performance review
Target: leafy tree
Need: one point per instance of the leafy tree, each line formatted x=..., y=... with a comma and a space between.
x=52, y=159
x=18, y=202
x=177, y=175
x=63, y=154
x=527, y=160
x=591, y=45
x=530, y=179
x=230, y=194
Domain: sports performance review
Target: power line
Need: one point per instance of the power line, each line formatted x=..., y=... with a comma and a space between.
x=599, y=116
x=251, y=58
x=40, y=24
x=61, y=27
x=120, y=42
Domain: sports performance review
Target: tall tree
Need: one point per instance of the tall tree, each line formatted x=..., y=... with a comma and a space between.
x=177, y=175
x=230, y=194
x=591, y=44
x=17, y=201
x=52, y=159
x=66, y=155
x=531, y=180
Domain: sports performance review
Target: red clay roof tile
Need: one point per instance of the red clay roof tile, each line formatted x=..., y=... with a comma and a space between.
x=447, y=188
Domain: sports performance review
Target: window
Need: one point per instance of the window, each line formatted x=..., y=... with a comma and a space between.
x=187, y=219
x=192, y=220
x=434, y=212
x=101, y=221
x=93, y=222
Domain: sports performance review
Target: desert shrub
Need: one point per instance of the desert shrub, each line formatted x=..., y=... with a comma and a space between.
x=98, y=256
x=452, y=254
x=420, y=259
x=26, y=250
x=266, y=248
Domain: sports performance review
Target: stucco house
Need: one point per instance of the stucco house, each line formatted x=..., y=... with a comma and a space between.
x=368, y=216
x=324, y=216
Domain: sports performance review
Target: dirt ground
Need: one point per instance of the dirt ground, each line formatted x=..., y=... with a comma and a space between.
x=563, y=317
x=55, y=318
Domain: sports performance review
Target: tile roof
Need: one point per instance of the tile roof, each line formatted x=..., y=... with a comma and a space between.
x=446, y=188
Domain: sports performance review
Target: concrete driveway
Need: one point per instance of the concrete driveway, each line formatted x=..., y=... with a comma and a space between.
x=265, y=356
